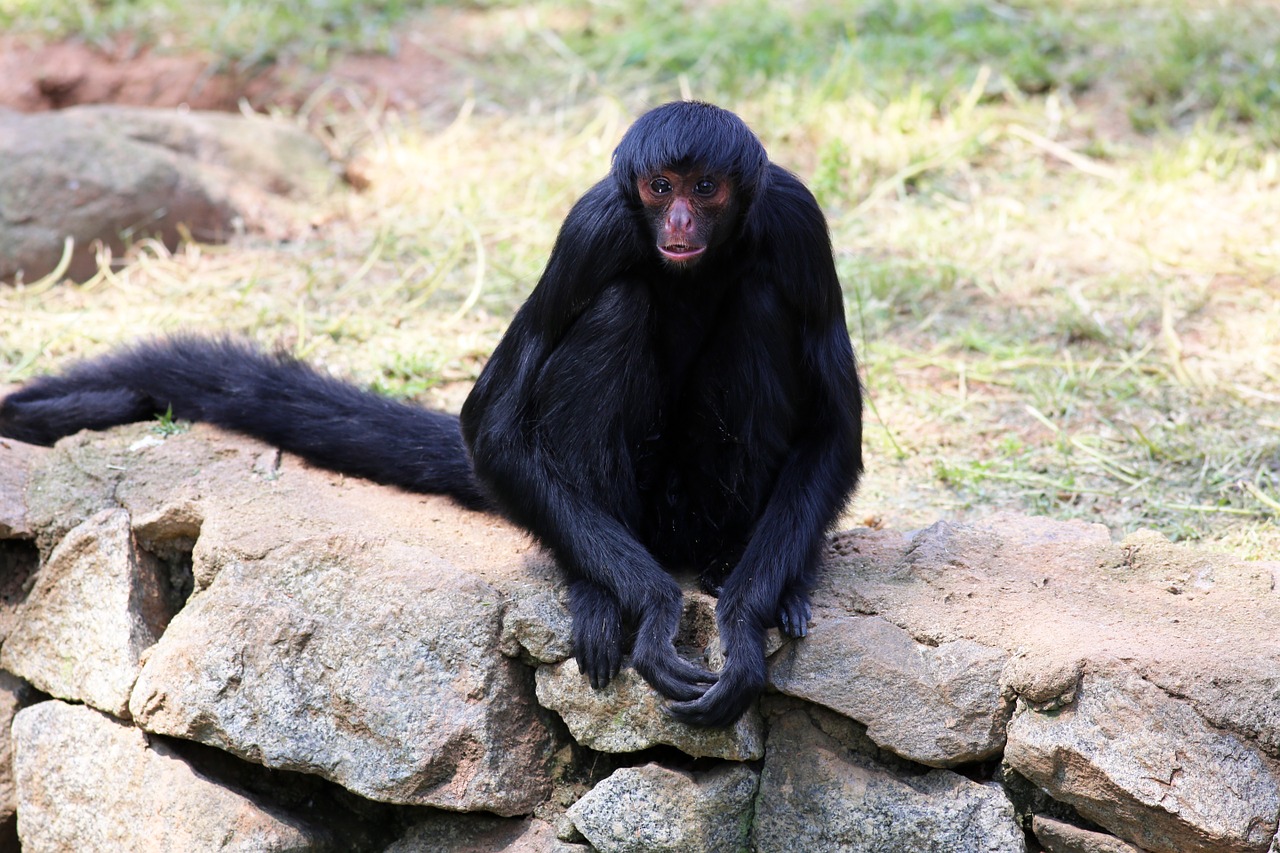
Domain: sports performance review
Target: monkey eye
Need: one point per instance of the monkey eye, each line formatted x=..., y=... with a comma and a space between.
x=706, y=186
x=660, y=186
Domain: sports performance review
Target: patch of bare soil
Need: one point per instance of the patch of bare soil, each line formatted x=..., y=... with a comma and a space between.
x=36, y=77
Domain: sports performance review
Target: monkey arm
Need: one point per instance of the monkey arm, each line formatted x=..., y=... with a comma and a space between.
x=771, y=581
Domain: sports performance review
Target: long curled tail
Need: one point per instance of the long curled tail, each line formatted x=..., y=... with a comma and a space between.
x=272, y=397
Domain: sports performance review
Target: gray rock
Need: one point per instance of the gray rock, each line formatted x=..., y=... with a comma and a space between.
x=937, y=705
x=823, y=789
x=538, y=625
x=653, y=809
x=373, y=665
x=88, y=782
x=1147, y=768
x=627, y=716
x=97, y=605
x=118, y=174
x=1059, y=837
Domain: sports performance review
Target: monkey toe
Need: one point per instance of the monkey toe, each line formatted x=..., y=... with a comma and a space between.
x=719, y=707
x=599, y=657
x=673, y=676
x=794, y=613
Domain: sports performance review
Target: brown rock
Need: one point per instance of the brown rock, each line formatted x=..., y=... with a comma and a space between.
x=938, y=705
x=370, y=664
x=118, y=174
x=1148, y=768
x=88, y=782
x=98, y=604
x=824, y=788
x=1059, y=837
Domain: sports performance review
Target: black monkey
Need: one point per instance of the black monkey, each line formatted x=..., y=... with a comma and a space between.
x=678, y=391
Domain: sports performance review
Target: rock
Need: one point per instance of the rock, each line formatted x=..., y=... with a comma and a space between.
x=19, y=560
x=1056, y=596
x=88, y=782
x=118, y=174
x=1148, y=768
x=653, y=809
x=627, y=716
x=464, y=833
x=538, y=625
x=98, y=604
x=373, y=665
x=823, y=788
x=1059, y=837
x=387, y=642
x=15, y=694
x=937, y=705
x=15, y=475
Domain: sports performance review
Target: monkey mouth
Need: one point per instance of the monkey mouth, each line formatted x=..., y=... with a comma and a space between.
x=681, y=252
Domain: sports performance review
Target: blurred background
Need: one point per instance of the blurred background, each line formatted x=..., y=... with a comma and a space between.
x=1057, y=224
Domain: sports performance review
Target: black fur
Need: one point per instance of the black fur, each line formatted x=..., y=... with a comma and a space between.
x=634, y=418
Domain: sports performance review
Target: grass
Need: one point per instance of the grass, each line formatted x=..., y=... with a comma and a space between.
x=236, y=32
x=1057, y=224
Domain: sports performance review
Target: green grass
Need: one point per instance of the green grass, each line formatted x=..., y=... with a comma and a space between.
x=1057, y=225
x=238, y=32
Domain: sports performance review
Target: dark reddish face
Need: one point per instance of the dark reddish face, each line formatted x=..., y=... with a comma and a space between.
x=688, y=213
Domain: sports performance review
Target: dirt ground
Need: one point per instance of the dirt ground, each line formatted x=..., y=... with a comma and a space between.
x=36, y=77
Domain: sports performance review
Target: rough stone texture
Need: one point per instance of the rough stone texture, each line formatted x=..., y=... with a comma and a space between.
x=1148, y=768
x=119, y=174
x=653, y=809
x=345, y=621
x=1195, y=623
x=1059, y=837
x=98, y=604
x=369, y=664
x=88, y=782
x=538, y=625
x=15, y=694
x=823, y=788
x=940, y=706
x=480, y=834
x=627, y=716
x=15, y=474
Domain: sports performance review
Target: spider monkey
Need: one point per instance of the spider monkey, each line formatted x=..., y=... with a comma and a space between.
x=679, y=391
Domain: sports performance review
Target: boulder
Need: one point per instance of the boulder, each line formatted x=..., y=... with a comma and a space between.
x=15, y=474
x=1148, y=768
x=88, y=782
x=98, y=603
x=654, y=809
x=825, y=786
x=417, y=654
x=121, y=174
x=938, y=705
x=627, y=716
x=373, y=665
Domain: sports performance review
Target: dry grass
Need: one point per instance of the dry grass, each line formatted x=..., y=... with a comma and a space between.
x=1061, y=262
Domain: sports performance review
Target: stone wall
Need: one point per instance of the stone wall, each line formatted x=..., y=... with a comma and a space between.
x=207, y=646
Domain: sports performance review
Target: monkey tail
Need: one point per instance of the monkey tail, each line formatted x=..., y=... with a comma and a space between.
x=273, y=397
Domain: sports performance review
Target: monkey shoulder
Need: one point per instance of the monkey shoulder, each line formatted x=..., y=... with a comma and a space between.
x=793, y=248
